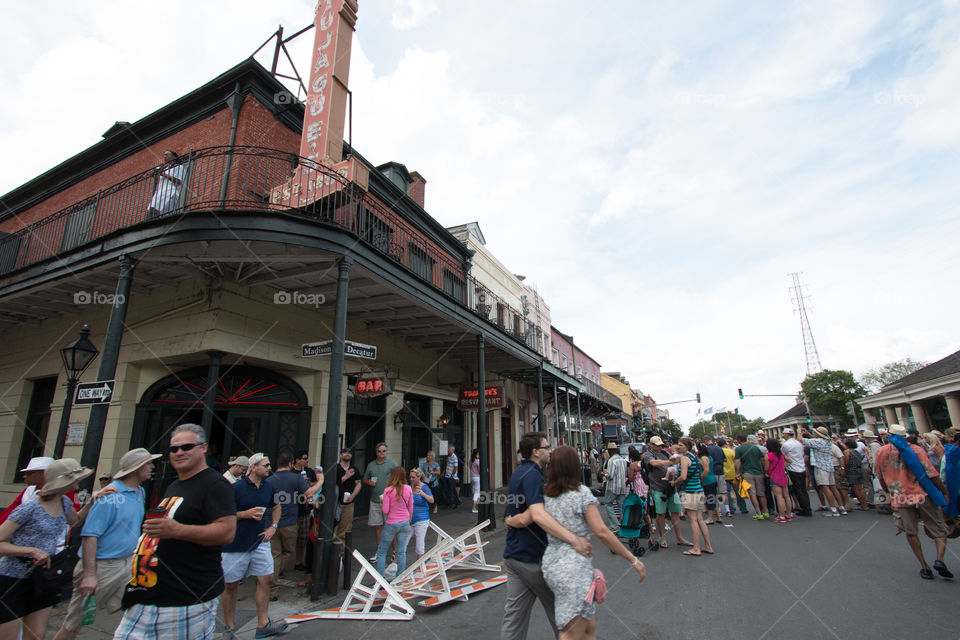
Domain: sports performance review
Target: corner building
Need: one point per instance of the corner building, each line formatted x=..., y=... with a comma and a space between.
x=210, y=297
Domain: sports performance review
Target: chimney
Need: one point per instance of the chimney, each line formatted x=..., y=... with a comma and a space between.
x=417, y=188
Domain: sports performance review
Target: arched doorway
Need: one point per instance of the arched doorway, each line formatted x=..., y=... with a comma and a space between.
x=255, y=410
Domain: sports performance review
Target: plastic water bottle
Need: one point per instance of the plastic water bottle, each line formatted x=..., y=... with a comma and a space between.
x=89, y=610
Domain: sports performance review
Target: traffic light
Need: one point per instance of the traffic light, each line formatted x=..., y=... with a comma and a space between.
x=740, y=393
x=698, y=397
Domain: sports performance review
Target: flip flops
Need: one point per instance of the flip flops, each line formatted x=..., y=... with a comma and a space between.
x=691, y=553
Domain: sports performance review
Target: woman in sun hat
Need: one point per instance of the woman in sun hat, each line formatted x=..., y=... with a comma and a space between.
x=28, y=539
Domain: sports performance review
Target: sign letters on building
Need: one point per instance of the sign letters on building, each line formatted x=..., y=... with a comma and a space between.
x=470, y=399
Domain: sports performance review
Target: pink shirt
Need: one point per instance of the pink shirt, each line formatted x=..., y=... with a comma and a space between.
x=777, y=470
x=394, y=510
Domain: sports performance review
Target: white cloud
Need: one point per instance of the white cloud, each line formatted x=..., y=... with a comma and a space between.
x=657, y=173
x=411, y=13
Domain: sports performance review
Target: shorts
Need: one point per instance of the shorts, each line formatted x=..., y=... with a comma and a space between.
x=930, y=513
x=710, y=496
x=237, y=565
x=375, y=516
x=824, y=478
x=842, y=484
x=17, y=598
x=113, y=576
x=662, y=504
x=756, y=484
x=721, y=485
x=692, y=501
x=147, y=621
x=303, y=530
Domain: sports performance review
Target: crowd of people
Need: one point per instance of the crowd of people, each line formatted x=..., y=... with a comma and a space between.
x=171, y=568
x=547, y=555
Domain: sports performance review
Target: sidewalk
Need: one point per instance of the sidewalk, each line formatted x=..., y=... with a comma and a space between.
x=295, y=599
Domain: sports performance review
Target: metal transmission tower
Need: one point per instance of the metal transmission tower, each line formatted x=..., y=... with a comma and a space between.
x=809, y=346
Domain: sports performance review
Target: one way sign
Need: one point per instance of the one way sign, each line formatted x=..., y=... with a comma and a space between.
x=94, y=392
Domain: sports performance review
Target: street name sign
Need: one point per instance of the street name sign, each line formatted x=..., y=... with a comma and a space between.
x=325, y=348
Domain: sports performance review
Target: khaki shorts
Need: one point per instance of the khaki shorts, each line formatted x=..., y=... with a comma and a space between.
x=756, y=484
x=824, y=478
x=907, y=517
x=112, y=578
x=375, y=515
x=692, y=501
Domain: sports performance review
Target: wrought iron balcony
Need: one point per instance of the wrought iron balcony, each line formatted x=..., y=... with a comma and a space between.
x=223, y=181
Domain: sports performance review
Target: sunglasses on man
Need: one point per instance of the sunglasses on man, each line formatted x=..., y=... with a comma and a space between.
x=186, y=447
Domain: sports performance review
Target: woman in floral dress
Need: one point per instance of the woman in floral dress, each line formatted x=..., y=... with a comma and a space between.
x=568, y=574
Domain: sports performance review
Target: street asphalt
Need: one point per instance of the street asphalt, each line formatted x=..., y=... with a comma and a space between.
x=808, y=579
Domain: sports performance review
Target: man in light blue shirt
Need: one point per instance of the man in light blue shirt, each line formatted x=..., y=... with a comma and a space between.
x=110, y=534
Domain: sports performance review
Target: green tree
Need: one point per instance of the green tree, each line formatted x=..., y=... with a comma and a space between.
x=701, y=429
x=725, y=424
x=830, y=391
x=672, y=428
x=875, y=379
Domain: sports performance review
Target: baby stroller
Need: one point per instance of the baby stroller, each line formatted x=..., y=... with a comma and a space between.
x=633, y=525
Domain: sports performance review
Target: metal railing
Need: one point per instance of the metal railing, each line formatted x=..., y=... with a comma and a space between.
x=224, y=181
x=498, y=312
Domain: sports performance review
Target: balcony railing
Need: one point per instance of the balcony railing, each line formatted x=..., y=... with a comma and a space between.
x=498, y=312
x=224, y=181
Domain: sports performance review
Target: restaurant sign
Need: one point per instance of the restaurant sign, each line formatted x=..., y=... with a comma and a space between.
x=470, y=399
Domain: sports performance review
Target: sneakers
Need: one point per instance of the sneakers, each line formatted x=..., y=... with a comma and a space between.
x=758, y=517
x=766, y=516
x=780, y=519
x=822, y=508
x=272, y=628
x=844, y=512
x=830, y=514
x=227, y=634
x=941, y=568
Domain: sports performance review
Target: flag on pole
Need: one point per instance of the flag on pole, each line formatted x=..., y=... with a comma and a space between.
x=708, y=411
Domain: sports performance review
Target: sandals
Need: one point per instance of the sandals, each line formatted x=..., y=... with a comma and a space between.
x=664, y=545
x=691, y=553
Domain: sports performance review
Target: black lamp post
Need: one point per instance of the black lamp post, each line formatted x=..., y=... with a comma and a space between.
x=76, y=356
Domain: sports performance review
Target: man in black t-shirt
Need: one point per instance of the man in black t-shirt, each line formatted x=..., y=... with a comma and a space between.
x=177, y=575
x=301, y=465
x=348, y=478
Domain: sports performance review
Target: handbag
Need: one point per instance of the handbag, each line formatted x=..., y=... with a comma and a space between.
x=744, y=489
x=51, y=579
x=598, y=588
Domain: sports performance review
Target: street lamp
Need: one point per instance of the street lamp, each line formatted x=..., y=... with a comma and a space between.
x=76, y=357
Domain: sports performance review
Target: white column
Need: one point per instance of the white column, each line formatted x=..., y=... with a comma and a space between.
x=890, y=415
x=920, y=417
x=953, y=408
x=901, y=415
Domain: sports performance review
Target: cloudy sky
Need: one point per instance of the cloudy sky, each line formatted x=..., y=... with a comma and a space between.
x=656, y=170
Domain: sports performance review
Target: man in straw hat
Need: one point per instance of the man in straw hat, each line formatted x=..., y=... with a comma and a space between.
x=177, y=578
x=109, y=538
x=911, y=503
x=821, y=452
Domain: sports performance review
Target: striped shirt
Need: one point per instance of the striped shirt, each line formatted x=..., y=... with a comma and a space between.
x=693, y=484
